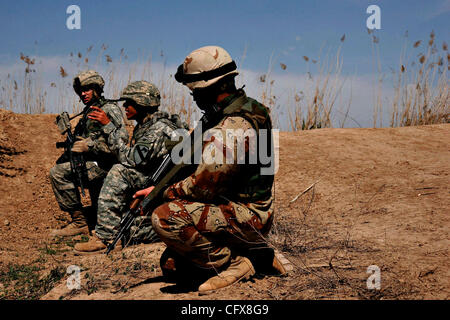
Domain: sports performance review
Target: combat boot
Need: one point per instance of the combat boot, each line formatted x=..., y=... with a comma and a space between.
x=267, y=261
x=93, y=246
x=77, y=226
x=282, y=264
x=168, y=263
x=239, y=268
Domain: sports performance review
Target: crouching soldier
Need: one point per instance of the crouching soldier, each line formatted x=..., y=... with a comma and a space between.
x=91, y=143
x=137, y=163
x=215, y=216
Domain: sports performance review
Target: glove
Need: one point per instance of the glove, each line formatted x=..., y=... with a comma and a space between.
x=80, y=145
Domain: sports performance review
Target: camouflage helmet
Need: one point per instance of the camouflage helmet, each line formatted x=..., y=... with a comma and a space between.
x=205, y=66
x=143, y=93
x=88, y=78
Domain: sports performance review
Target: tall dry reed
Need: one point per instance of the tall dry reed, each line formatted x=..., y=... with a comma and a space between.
x=421, y=89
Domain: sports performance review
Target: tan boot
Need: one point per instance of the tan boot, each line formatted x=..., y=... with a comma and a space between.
x=180, y=270
x=93, y=246
x=77, y=226
x=239, y=268
x=282, y=264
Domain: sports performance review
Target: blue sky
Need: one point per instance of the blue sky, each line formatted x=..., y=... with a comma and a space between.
x=288, y=29
x=283, y=30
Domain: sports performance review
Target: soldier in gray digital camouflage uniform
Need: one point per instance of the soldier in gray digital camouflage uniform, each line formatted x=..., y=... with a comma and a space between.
x=137, y=163
x=92, y=144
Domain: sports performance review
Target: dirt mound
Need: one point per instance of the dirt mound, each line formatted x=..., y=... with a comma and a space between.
x=346, y=199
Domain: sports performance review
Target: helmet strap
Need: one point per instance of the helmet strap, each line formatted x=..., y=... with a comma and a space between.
x=184, y=78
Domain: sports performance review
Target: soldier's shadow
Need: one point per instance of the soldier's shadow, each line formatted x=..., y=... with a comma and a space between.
x=190, y=278
x=173, y=287
x=177, y=288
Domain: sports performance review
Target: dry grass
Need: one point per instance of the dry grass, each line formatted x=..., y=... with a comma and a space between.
x=328, y=262
x=313, y=106
x=421, y=91
x=420, y=87
x=28, y=92
x=421, y=94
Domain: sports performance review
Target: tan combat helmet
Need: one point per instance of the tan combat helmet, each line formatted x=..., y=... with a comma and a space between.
x=205, y=66
x=143, y=93
x=88, y=78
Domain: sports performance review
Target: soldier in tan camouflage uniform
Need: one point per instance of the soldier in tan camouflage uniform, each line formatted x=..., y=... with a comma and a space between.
x=137, y=163
x=99, y=158
x=213, y=217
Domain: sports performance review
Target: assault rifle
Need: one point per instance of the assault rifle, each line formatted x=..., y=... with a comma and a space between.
x=77, y=162
x=164, y=174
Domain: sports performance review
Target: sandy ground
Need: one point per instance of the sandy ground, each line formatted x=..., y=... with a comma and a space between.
x=379, y=197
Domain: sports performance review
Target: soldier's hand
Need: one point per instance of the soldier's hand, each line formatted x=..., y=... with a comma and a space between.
x=80, y=145
x=143, y=192
x=99, y=115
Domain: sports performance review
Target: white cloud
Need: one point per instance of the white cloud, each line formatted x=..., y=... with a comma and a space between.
x=357, y=89
x=442, y=8
x=360, y=91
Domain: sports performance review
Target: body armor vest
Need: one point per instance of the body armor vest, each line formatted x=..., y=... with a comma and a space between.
x=252, y=185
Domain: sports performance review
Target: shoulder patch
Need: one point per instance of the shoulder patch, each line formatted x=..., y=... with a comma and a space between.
x=140, y=154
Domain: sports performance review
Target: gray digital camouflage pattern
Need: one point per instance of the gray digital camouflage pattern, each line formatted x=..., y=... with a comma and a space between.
x=143, y=93
x=88, y=77
x=137, y=163
x=99, y=158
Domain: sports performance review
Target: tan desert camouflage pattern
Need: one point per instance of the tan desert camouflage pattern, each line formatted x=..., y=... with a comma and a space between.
x=206, y=233
x=126, y=178
x=206, y=59
x=99, y=158
x=143, y=93
x=207, y=215
x=89, y=77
